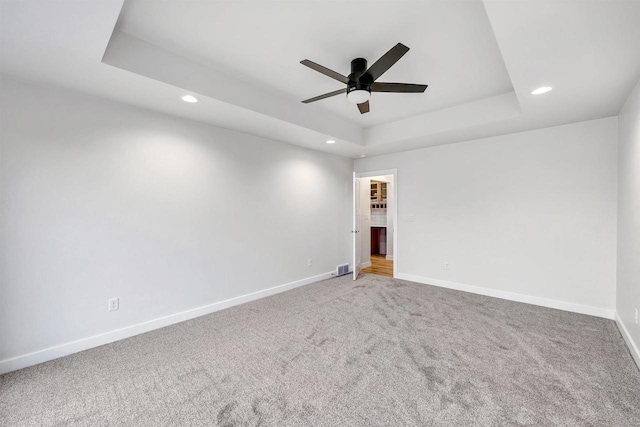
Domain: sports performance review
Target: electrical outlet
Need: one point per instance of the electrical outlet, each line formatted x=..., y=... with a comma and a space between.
x=309, y=262
x=114, y=304
x=447, y=266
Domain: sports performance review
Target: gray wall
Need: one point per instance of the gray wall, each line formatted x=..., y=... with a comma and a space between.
x=102, y=200
x=528, y=216
x=628, y=291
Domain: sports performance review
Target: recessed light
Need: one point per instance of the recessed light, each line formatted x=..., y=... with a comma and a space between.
x=190, y=99
x=541, y=90
x=331, y=141
x=363, y=155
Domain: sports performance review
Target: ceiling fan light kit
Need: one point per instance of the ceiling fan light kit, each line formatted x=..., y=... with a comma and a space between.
x=362, y=80
x=358, y=96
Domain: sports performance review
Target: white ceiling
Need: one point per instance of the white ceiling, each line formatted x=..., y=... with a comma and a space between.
x=480, y=59
x=452, y=48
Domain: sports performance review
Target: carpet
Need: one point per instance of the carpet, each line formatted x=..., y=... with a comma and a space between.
x=378, y=351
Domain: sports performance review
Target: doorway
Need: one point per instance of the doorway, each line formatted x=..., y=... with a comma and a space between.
x=375, y=211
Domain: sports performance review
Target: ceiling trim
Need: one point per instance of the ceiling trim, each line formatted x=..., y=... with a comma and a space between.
x=149, y=60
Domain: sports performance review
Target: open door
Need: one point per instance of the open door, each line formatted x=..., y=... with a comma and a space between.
x=357, y=244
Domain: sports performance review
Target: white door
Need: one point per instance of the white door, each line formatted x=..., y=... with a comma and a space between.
x=357, y=239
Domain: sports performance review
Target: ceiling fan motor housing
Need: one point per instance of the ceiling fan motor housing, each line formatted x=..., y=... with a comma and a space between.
x=359, y=79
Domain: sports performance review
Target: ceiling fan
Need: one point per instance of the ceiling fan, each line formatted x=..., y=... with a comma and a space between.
x=362, y=81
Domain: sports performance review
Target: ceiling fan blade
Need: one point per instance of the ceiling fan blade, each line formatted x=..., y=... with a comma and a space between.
x=364, y=107
x=326, y=95
x=398, y=87
x=324, y=70
x=387, y=60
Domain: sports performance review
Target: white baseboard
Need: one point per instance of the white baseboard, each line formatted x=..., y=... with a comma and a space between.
x=65, y=349
x=544, y=302
x=389, y=257
x=365, y=264
x=633, y=348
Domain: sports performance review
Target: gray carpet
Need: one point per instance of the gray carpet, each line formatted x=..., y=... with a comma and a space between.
x=377, y=351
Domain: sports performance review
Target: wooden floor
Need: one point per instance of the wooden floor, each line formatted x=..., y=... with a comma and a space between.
x=380, y=266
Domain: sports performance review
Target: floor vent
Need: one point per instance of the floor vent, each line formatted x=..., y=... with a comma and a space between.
x=343, y=269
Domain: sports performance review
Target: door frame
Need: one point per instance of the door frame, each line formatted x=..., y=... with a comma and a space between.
x=394, y=173
x=357, y=238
